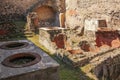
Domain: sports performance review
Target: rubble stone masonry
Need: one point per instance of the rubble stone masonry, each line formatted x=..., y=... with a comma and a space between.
x=18, y=9
x=77, y=11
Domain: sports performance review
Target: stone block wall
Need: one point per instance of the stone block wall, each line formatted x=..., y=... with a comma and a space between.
x=77, y=11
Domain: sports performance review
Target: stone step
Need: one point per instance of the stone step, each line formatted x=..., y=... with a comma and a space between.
x=29, y=35
x=99, y=59
x=25, y=30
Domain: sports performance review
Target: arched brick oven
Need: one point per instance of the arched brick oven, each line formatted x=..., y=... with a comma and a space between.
x=46, y=15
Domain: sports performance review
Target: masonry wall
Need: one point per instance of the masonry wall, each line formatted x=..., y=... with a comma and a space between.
x=77, y=11
x=14, y=8
x=17, y=9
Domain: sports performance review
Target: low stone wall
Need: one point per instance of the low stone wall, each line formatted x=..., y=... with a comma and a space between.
x=53, y=38
x=108, y=69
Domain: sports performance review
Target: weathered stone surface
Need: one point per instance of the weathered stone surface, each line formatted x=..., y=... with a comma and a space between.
x=77, y=11
x=53, y=38
x=62, y=19
x=13, y=10
x=46, y=69
x=8, y=30
x=108, y=70
x=107, y=65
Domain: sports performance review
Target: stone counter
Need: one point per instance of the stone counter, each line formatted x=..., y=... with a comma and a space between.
x=45, y=69
x=52, y=38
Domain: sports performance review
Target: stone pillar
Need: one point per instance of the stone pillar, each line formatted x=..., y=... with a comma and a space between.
x=91, y=26
x=32, y=21
x=28, y=22
x=62, y=19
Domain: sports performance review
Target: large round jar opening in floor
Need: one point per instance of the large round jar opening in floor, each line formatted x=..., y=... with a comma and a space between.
x=22, y=60
x=14, y=45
